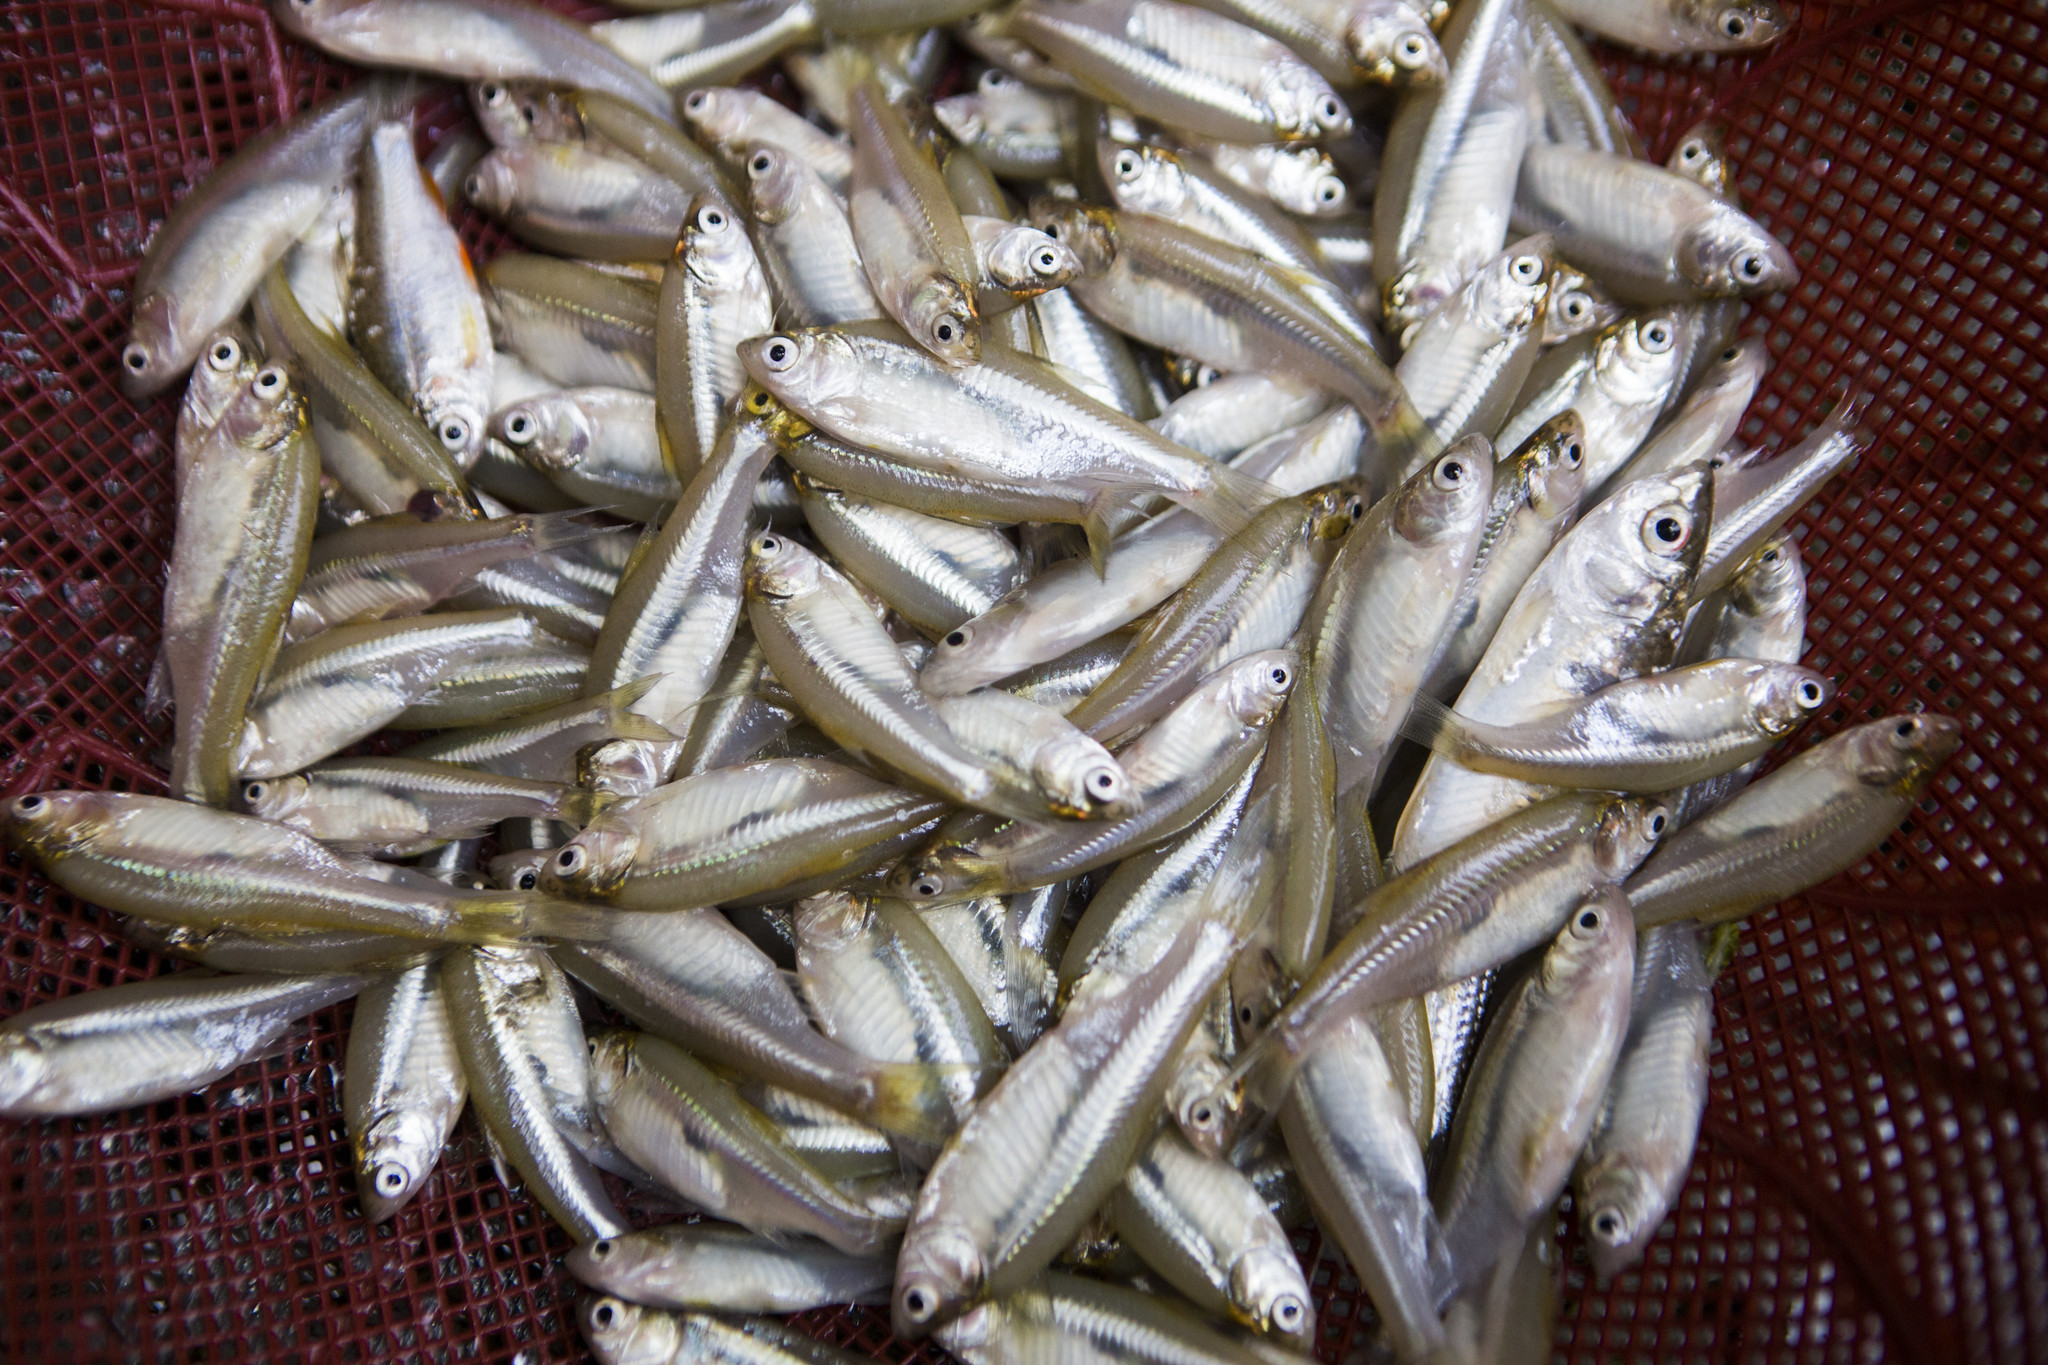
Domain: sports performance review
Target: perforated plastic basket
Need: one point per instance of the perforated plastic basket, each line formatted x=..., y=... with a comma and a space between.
x=1871, y=1179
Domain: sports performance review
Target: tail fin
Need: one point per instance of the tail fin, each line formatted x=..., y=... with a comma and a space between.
x=578, y=806
x=547, y=531
x=624, y=722
x=909, y=1100
x=1232, y=500
x=1432, y=724
x=510, y=917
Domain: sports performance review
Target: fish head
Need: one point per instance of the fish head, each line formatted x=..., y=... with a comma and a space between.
x=1730, y=25
x=715, y=113
x=803, y=369
x=1599, y=936
x=1577, y=305
x=621, y=1333
x=1701, y=156
x=1901, y=752
x=1739, y=368
x=1206, y=1106
x=1266, y=1288
x=714, y=246
x=1304, y=181
x=621, y=767
x=1144, y=179
x=1553, y=464
x=1625, y=832
x=1510, y=292
x=1025, y=261
x=226, y=364
x=23, y=1070
x=393, y=1159
x=1771, y=581
x=511, y=112
x=1642, y=545
x=1783, y=697
x=1305, y=108
x=779, y=568
x=550, y=431
x=265, y=413
x=938, y=1273
x=1257, y=686
x=607, y=1259
x=1447, y=498
x=775, y=182
x=1087, y=231
x=520, y=870
x=593, y=865
x=276, y=798
x=1637, y=359
x=974, y=1335
x=1392, y=45
x=965, y=116
x=611, y=1056
x=151, y=360
x=1615, y=1209
x=1083, y=782
x=944, y=875
x=48, y=825
x=1334, y=509
x=1728, y=254
x=458, y=419
x=1416, y=292
x=940, y=316
x=492, y=185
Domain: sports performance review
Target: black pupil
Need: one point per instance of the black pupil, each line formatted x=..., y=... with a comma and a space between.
x=957, y=638
x=1905, y=729
x=1280, y=676
x=1453, y=472
x=945, y=331
x=1656, y=824
x=761, y=163
x=1667, y=528
x=1589, y=920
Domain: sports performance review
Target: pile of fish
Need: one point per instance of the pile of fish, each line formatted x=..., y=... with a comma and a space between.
x=1177, y=640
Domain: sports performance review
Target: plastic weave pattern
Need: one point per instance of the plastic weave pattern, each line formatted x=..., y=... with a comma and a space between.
x=1872, y=1177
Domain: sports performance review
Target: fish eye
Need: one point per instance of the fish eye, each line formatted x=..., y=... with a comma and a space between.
x=1574, y=453
x=927, y=887
x=29, y=805
x=225, y=354
x=1811, y=694
x=779, y=353
x=527, y=880
x=135, y=357
x=520, y=428
x=1329, y=190
x=995, y=78
x=1052, y=230
x=918, y=1305
x=269, y=379
x=1103, y=781
x=1734, y=25
x=1354, y=507
x=955, y=639
x=1280, y=675
x=1731, y=355
x=1450, y=473
x=1046, y=261
x=1411, y=51
x=697, y=101
x=604, y=1315
x=1751, y=266
x=1575, y=306
x=1127, y=165
x=1288, y=1313
x=1329, y=112
x=602, y=1248
x=473, y=186
x=1588, y=922
x=390, y=1180
x=1527, y=268
x=1607, y=1224
x=948, y=327
x=1667, y=528
x=761, y=164
x=1203, y=1116
x=1905, y=729
x=254, y=792
x=454, y=433
x=1656, y=338
x=711, y=219
x=767, y=545
x=1692, y=151
x=1658, y=822
x=569, y=859
x=493, y=93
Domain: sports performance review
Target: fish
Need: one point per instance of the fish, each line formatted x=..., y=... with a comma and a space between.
x=714, y=295
x=1640, y=1151
x=1754, y=502
x=1818, y=814
x=400, y=806
x=415, y=310
x=1042, y=750
x=1579, y=109
x=1145, y=178
x=573, y=323
x=1577, y=305
x=221, y=240
x=1649, y=235
x=708, y=1268
x=1043, y=1149
x=1464, y=365
x=247, y=503
x=691, y=977
x=1707, y=419
x=1186, y=68
x=524, y=1078
x=731, y=833
x=402, y=1088
x=542, y=745
x=1646, y=734
x=711, y=43
x=1014, y=262
x=1205, y=1230
x=601, y=446
x=1535, y=1089
x=1304, y=181
x=1068, y=1317
x=1616, y=381
x=144, y=1041
x=807, y=249
x=621, y=1333
x=918, y=255
x=733, y=119
x=568, y=198
x=698, y=1139
x=470, y=40
x=1675, y=26
x=1019, y=130
x=933, y=573
x=1371, y=43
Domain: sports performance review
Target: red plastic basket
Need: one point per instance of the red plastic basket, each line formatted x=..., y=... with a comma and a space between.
x=1872, y=1177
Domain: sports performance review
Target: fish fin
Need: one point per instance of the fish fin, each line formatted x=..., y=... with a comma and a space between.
x=626, y=723
x=548, y=531
x=156, y=693
x=578, y=806
x=1232, y=500
x=1432, y=724
x=1098, y=521
x=909, y=1099
x=521, y=916
x=1719, y=949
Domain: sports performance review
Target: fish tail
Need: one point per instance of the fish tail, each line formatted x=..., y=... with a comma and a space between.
x=624, y=722
x=1433, y=725
x=1232, y=499
x=547, y=531
x=910, y=1100
x=522, y=916
x=578, y=806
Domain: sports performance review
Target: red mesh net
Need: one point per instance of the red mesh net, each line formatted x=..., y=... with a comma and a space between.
x=1872, y=1175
